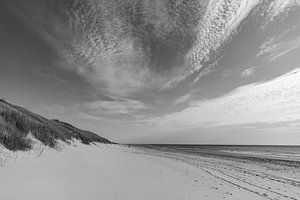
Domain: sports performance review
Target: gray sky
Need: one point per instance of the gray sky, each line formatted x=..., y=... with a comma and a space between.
x=155, y=71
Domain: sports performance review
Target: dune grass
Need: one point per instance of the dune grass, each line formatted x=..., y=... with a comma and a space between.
x=16, y=123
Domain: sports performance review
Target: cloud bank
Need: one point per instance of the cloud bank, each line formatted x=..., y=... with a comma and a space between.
x=270, y=102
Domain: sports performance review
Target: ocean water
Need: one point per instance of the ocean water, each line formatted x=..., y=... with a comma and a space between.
x=288, y=153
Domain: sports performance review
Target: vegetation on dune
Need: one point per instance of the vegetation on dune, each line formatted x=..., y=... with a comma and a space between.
x=85, y=137
x=16, y=123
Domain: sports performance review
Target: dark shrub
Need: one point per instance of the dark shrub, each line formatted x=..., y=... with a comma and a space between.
x=13, y=140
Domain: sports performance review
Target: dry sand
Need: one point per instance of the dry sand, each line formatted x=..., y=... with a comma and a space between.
x=111, y=172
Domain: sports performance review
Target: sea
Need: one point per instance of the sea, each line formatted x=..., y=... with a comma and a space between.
x=275, y=152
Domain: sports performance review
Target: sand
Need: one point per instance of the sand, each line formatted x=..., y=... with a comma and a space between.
x=112, y=172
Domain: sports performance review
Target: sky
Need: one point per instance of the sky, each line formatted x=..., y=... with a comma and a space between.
x=157, y=71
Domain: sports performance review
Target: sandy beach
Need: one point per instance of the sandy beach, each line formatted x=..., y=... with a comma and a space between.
x=149, y=100
x=117, y=172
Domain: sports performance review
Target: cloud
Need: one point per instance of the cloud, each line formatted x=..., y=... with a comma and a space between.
x=117, y=106
x=248, y=72
x=278, y=7
x=245, y=73
x=219, y=23
x=269, y=102
x=274, y=49
x=99, y=110
x=205, y=71
x=182, y=99
x=47, y=74
x=124, y=48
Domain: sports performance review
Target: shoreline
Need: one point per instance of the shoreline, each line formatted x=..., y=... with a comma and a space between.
x=270, y=157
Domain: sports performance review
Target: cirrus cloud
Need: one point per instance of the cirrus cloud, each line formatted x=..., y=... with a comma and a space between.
x=127, y=47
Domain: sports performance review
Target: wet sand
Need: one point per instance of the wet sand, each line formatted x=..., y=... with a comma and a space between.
x=265, y=175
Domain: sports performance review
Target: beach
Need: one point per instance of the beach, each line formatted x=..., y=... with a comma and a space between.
x=109, y=172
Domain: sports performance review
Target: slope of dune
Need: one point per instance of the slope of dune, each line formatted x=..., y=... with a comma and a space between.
x=16, y=123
